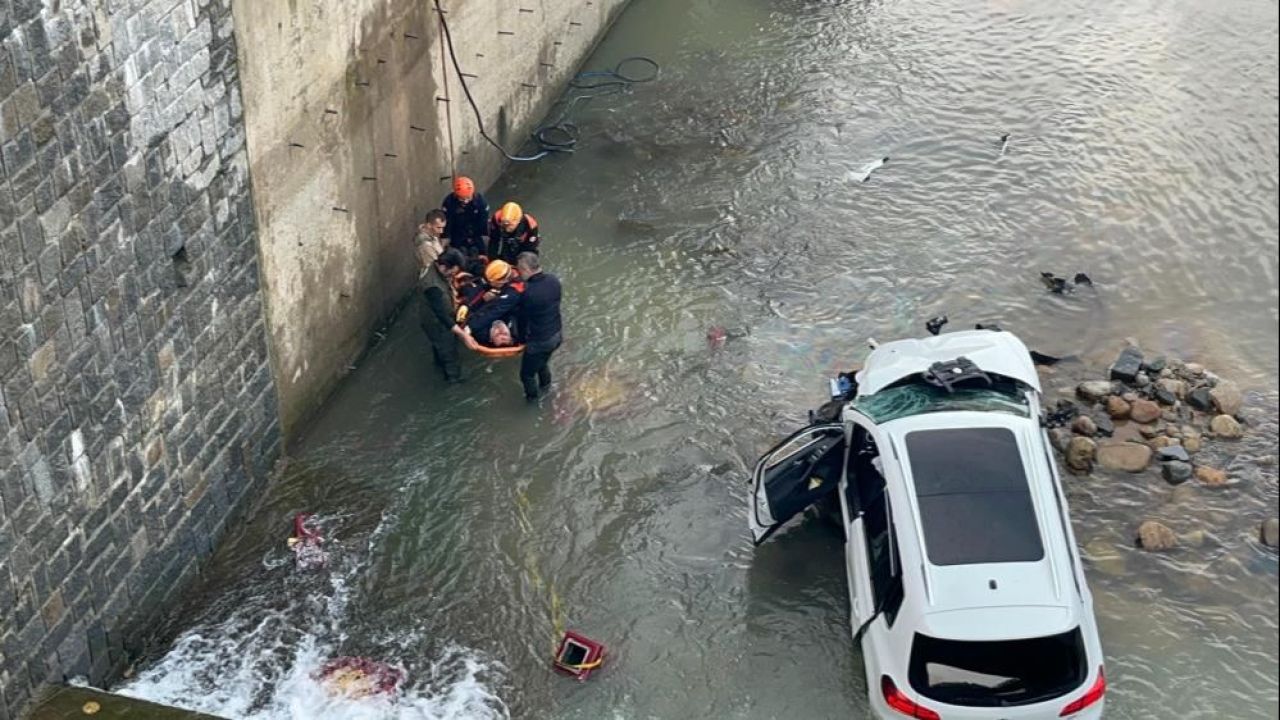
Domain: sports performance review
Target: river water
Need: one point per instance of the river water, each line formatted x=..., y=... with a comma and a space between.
x=467, y=529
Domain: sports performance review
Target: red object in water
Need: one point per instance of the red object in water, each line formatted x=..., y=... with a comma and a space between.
x=578, y=655
x=360, y=677
x=716, y=337
x=306, y=543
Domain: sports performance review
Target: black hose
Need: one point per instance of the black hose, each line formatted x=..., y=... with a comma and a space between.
x=561, y=134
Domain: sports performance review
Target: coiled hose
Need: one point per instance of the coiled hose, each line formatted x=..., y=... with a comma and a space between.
x=560, y=134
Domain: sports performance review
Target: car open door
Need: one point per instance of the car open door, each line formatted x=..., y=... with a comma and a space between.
x=871, y=554
x=793, y=475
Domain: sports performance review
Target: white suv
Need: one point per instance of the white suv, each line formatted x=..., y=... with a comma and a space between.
x=967, y=593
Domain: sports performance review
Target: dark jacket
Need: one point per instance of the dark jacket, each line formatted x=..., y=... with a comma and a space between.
x=503, y=307
x=538, y=318
x=507, y=246
x=466, y=225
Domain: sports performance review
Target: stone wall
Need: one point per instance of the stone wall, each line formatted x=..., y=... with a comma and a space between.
x=137, y=408
x=356, y=123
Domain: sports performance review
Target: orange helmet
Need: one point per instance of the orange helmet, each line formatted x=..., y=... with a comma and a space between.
x=463, y=187
x=497, y=271
x=510, y=214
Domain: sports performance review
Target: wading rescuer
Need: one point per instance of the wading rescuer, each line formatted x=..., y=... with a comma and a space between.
x=538, y=324
x=467, y=218
x=430, y=240
x=511, y=232
x=438, y=312
x=498, y=305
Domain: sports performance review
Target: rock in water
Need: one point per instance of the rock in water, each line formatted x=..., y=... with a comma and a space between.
x=1175, y=473
x=1080, y=452
x=1226, y=427
x=1164, y=396
x=1227, y=398
x=1117, y=408
x=1144, y=411
x=1175, y=453
x=1211, y=477
x=1060, y=438
x=1106, y=428
x=1126, y=456
x=1094, y=390
x=1191, y=439
x=1157, y=364
x=1084, y=425
x=1175, y=387
x=1201, y=399
x=1269, y=533
x=1156, y=537
x=1127, y=366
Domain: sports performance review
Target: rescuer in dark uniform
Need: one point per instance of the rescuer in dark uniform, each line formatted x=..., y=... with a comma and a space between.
x=499, y=303
x=538, y=324
x=511, y=232
x=438, y=312
x=467, y=218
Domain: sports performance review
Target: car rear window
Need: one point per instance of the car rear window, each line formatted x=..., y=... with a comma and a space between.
x=998, y=674
x=975, y=503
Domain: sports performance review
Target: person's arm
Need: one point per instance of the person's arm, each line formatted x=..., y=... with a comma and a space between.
x=464, y=333
x=494, y=242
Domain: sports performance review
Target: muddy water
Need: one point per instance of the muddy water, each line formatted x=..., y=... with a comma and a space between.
x=467, y=528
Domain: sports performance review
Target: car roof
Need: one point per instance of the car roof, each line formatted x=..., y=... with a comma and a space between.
x=1000, y=353
x=1011, y=597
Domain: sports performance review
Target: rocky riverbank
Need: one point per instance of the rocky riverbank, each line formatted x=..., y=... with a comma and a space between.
x=1154, y=415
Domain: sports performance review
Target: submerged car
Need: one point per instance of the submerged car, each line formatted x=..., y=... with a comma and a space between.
x=968, y=598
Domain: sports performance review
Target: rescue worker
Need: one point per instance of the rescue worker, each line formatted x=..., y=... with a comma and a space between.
x=538, y=323
x=498, y=303
x=511, y=232
x=430, y=241
x=438, y=312
x=466, y=218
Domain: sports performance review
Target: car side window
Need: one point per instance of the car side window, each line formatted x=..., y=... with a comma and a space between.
x=877, y=523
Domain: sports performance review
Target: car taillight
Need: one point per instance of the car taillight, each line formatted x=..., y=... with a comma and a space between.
x=898, y=700
x=1094, y=695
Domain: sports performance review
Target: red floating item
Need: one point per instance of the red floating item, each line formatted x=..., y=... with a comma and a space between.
x=578, y=655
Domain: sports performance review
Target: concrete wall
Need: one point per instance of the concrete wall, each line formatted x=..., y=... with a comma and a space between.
x=355, y=125
x=137, y=408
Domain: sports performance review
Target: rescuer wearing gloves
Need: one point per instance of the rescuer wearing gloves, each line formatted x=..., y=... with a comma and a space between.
x=511, y=232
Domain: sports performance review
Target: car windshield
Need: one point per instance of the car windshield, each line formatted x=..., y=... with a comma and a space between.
x=915, y=398
x=998, y=674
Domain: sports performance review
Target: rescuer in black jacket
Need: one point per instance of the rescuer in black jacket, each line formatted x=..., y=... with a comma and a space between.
x=538, y=322
x=468, y=218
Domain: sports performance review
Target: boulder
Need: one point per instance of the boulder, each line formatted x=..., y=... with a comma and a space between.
x=1175, y=473
x=1269, y=533
x=1127, y=456
x=1142, y=380
x=1155, y=536
x=1226, y=427
x=1227, y=398
x=1173, y=453
x=1164, y=396
x=1192, y=443
x=1117, y=408
x=1127, y=365
x=1084, y=425
x=1080, y=453
x=1144, y=411
x=1094, y=390
x=1211, y=477
x=1060, y=438
x=1106, y=428
x=1193, y=370
x=1156, y=365
x=1175, y=387
x=1201, y=399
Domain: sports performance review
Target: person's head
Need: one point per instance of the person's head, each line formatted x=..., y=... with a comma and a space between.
x=529, y=264
x=450, y=262
x=500, y=334
x=463, y=188
x=434, y=222
x=497, y=273
x=509, y=216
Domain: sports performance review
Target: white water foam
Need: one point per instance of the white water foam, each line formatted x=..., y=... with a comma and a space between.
x=260, y=662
